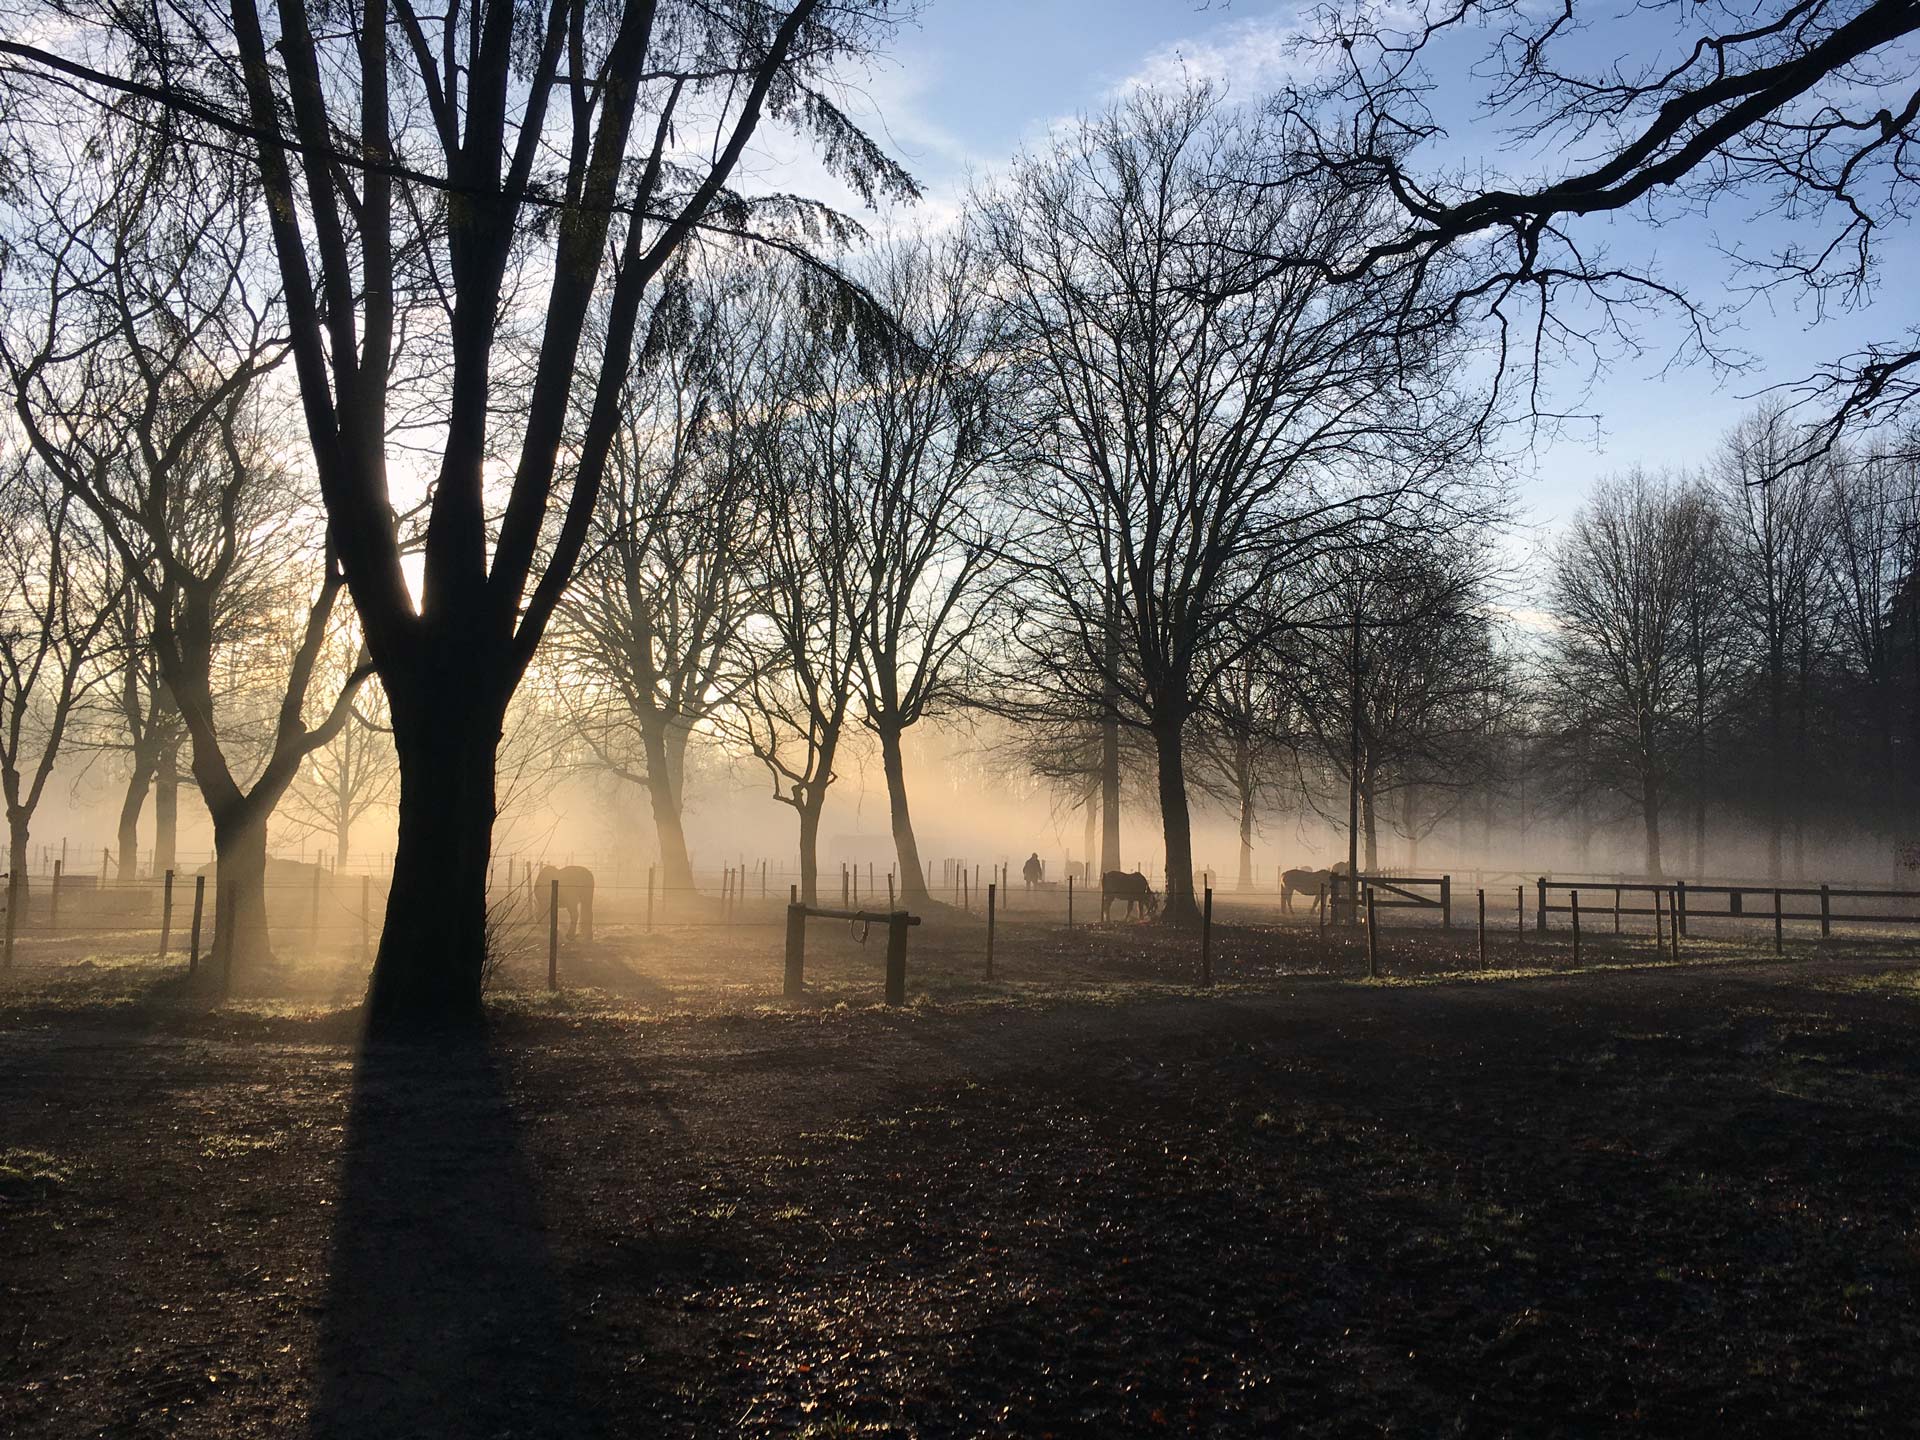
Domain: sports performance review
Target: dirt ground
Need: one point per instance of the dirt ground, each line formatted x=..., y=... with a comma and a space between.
x=1085, y=1198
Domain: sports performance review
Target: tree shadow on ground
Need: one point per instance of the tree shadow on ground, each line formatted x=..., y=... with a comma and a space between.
x=444, y=1313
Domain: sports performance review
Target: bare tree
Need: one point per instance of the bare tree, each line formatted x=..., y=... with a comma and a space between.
x=924, y=579
x=1618, y=661
x=1804, y=109
x=1777, y=532
x=651, y=631
x=58, y=590
x=138, y=378
x=474, y=178
x=1874, y=502
x=804, y=637
x=1194, y=420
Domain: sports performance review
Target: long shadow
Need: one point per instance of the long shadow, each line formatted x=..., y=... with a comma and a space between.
x=445, y=1313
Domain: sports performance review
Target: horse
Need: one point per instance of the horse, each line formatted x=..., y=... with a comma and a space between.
x=1132, y=888
x=1310, y=882
x=576, y=896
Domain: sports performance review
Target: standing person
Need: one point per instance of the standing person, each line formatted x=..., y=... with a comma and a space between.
x=1033, y=869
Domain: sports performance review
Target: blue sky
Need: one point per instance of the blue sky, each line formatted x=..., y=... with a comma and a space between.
x=974, y=80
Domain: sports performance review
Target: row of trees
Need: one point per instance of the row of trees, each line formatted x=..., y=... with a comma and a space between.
x=1741, y=638
x=1226, y=349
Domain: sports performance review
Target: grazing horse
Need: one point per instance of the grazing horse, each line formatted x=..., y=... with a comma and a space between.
x=1310, y=882
x=576, y=896
x=1119, y=885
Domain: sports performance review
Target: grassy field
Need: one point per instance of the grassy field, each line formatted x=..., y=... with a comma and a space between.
x=1083, y=1198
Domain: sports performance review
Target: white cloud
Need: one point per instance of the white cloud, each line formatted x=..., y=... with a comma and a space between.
x=1246, y=56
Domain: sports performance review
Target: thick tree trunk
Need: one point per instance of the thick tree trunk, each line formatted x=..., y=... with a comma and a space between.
x=17, y=863
x=1650, y=816
x=913, y=884
x=1243, y=774
x=166, y=808
x=241, y=944
x=131, y=804
x=432, y=958
x=1176, y=826
x=809, y=812
x=342, y=839
x=666, y=762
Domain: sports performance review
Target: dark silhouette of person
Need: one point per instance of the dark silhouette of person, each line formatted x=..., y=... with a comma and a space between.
x=1033, y=869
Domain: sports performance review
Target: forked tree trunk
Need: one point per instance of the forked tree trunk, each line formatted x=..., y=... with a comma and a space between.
x=666, y=765
x=241, y=944
x=1177, y=827
x=913, y=884
x=427, y=975
x=132, y=802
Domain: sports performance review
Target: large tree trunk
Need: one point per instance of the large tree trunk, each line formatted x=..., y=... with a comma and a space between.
x=809, y=812
x=17, y=863
x=241, y=944
x=1177, y=827
x=913, y=884
x=666, y=763
x=131, y=804
x=432, y=958
x=166, y=807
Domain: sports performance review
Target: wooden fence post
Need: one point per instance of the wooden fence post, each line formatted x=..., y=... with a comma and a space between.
x=1826, y=911
x=1779, y=930
x=553, y=935
x=650, y=870
x=1373, y=940
x=166, y=914
x=897, y=958
x=1679, y=912
x=844, y=882
x=796, y=944
x=1616, y=909
x=993, y=891
x=1483, y=927
x=53, y=896
x=1069, y=900
x=1321, y=904
x=199, y=904
x=1573, y=902
x=1540, y=915
x=1520, y=912
x=1206, y=939
x=1446, y=902
x=1659, y=934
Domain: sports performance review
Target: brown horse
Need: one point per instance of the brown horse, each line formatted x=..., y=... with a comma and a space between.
x=1310, y=882
x=576, y=897
x=1132, y=888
